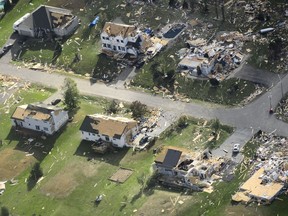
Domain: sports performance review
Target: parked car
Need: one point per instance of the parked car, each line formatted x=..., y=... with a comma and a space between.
x=56, y=101
x=236, y=148
x=5, y=49
x=139, y=64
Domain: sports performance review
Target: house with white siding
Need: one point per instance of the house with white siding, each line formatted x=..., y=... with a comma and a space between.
x=45, y=21
x=121, y=38
x=39, y=117
x=117, y=130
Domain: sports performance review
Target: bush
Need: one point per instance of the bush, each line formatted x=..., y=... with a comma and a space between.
x=138, y=109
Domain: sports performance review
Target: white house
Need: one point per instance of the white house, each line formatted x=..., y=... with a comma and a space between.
x=192, y=62
x=46, y=20
x=121, y=38
x=117, y=130
x=39, y=117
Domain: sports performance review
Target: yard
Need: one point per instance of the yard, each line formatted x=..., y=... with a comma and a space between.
x=71, y=169
x=74, y=176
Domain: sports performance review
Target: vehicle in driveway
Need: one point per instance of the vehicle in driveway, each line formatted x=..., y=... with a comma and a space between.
x=5, y=49
x=236, y=148
x=55, y=102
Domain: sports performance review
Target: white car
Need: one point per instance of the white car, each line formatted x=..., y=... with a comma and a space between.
x=236, y=148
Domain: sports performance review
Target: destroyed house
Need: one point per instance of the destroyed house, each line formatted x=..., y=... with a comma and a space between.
x=117, y=130
x=39, y=117
x=187, y=167
x=45, y=21
x=121, y=39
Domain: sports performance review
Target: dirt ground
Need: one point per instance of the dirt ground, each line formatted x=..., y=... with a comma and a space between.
x=13, y=162
x=65, y=181
x=164, y=203
x=121, y=175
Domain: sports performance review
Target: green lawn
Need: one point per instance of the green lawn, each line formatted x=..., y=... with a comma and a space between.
x=229, y=92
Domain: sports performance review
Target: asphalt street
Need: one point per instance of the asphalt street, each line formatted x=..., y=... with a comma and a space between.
x=246, y=119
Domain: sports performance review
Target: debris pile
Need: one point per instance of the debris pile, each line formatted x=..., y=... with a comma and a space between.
x=269, y=174
x=181, y=168
x=282, y=109
x=213, y=60
x=8, y=86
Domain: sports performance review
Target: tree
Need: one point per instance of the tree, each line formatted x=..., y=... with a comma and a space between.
x=223, y=10
x=138, y=109
x=4, y=211
x=71, y=94
x=214, y=82
x=113, y=107
x=185, y=5
x=36, y=172
x=172, y=3
x=216, y=125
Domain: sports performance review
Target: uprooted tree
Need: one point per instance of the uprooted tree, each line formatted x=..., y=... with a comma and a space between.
x=138, y=109
x=71, y=94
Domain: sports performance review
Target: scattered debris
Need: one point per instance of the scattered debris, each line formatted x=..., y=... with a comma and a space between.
x=269, y=173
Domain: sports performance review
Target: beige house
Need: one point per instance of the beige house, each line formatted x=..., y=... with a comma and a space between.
x=117, y=130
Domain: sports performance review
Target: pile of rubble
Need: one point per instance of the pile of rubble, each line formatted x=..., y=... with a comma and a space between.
x=197, y=171
x=214, y=60
x=269, y=175
x=282, y=109
x=9, y=85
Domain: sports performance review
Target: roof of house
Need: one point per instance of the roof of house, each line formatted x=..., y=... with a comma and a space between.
x=47, y=17
x=37, y=111
x=254, y=187
x=192, y=62
x=170, y=156
x=114, y=29
x=107, y=125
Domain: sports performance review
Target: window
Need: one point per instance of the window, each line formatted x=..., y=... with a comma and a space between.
x=119, y=48
x=37, y=127
x=122, y=41
x=103, y=38
x=45, y=128
x=117, y=40
x=104, y=45
x=21, y=124
x=107, y=138
x=123, y=48
x=107, y=38
x=109, y=46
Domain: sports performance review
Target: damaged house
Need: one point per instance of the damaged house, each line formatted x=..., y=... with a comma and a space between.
x=121, y=39
x=45, y=21
x=117, y=130
x=183, y=168
x=39, y=117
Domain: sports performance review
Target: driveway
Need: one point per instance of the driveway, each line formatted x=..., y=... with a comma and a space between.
x=240, y=136
x=255, y=75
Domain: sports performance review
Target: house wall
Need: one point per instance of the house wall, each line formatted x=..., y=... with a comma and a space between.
x=95, y=137
x=118, y=43
x=35, y=125
x=116, y=142
x=48, y=127
x=68, y=29
x=60, y=118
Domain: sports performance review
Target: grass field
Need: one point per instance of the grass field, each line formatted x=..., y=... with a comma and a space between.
x=72, y=170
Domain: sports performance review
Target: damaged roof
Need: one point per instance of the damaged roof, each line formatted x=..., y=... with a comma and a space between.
x=47, y=17
x=107, y=125
x=114, y=29
x=37, y=111
x=254, y=187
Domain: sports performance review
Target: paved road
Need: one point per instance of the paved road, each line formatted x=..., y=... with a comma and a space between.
x=254, y=116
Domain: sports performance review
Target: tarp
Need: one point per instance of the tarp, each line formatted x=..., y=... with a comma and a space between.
x=94, y=22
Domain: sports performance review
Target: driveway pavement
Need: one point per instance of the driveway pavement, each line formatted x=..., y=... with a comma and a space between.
x=240, y=136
